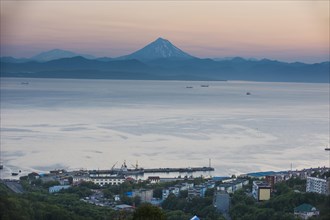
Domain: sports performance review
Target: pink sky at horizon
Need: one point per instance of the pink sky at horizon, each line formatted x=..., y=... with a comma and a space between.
x=284, y=30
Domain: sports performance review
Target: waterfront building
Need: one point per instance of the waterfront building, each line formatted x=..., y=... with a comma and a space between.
x=76, y=180
x=154, y=179
x=100, y=173
x=261, y=190
x=108, y=180
x=317, y=185
x=99, y=180
x=171, y=179
x=305, y=211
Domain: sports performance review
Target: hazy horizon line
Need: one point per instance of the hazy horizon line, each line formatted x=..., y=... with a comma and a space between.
x=198, y=57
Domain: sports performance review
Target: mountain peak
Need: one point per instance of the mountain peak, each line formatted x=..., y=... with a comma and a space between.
x=57, y=54
x=160, y=39
x=160, y=48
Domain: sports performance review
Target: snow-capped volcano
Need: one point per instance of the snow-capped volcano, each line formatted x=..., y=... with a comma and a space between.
x=160, y=48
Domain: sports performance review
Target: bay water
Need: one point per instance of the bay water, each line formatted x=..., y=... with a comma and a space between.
x=239, y=127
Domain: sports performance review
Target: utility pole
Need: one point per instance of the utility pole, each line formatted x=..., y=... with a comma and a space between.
x=328, y=149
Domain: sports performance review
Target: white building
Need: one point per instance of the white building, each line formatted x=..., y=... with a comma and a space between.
x=232, y=185
x=154, y=179
x=197, y=191
x=99, y=180
x=78, y=179
x=317, y=185
x=176, y=189
x=106, y=180
x=168, y=191
x=185, y=186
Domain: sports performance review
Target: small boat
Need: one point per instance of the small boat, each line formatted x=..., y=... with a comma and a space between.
x=14, y=174
x=24, y=83
x=189, y=87
x=204, y=85
x=248, y=93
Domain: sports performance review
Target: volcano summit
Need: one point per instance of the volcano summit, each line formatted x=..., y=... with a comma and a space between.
x=160, y=48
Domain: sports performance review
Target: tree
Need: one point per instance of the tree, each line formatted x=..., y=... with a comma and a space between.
x=50, y=184
x=107, y=194
x=177, y=215
x=126, y=200
x=148, y=212
x=281, y=188
x=209, y=212
x=90, y=185
x=183, y=194
x=170, y=202
x=158, y=193
x=209, y=192
x=81, y=191
x=137, y=200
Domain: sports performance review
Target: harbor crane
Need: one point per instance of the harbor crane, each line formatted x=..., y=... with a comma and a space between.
x=114, y=166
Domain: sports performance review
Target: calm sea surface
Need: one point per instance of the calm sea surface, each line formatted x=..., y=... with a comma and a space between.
x=96, y=124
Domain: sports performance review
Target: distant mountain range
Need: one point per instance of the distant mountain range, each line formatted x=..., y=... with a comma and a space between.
x=160, y=60
x=58, y=54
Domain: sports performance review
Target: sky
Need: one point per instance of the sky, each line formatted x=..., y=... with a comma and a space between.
x=282, y=30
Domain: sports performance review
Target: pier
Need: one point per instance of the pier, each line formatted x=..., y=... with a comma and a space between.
x=180, y=170
x=141, y=171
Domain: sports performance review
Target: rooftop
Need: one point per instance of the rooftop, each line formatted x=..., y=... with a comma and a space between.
x=305, y=208
x=261, y=174
x=261, y=184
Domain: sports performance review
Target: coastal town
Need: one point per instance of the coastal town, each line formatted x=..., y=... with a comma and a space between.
x=157, y=190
